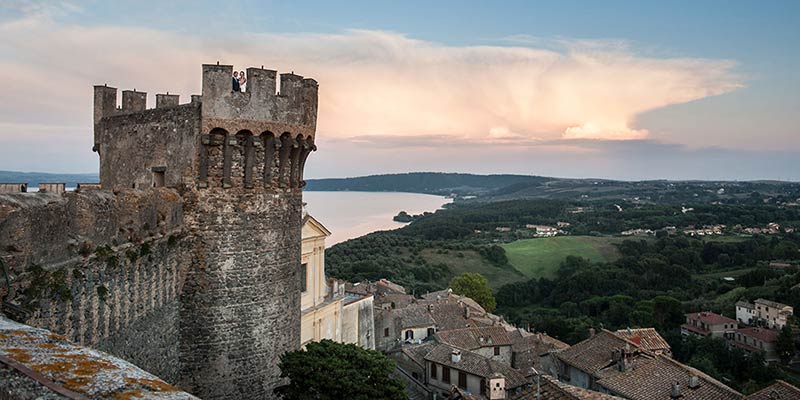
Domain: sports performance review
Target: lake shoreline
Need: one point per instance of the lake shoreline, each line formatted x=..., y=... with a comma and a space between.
x=352, y=214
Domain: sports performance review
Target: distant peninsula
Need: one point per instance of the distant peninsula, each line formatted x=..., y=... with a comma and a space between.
x=405, y=217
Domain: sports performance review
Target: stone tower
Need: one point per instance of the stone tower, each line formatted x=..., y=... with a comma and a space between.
x=237, y=159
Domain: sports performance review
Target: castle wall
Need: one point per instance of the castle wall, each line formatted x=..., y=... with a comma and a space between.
x=241, y=299
x=104, y=270
x=135, y=146
x=198, y=281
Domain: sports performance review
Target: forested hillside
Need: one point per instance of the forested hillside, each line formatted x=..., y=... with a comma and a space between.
x=649, y=281
x=488, y=188
x=425, y=182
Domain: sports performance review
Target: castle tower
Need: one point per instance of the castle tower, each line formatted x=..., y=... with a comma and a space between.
x=237, y=159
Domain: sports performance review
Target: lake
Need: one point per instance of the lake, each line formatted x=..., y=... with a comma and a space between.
x=349, y=215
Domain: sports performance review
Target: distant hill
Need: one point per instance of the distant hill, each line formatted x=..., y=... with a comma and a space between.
x=34, y=178
x=513, y=187
x=425, y=182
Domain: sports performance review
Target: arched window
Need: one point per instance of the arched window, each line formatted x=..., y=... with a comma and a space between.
x=213, y=147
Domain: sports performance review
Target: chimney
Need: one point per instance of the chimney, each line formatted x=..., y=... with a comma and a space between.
x=591, y=332
x=676, y=390
x=466, y=312
x=694, y=382
x=497, y=387
x=430, y=307
x=455, y=356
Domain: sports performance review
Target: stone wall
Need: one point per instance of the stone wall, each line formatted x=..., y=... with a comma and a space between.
x=104, y=270
x=240, y=306
x=241, y=300
x=135, y=146
x=49, y=229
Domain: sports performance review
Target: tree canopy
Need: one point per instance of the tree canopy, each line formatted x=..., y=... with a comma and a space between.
x=476, y=287
x=331, y=370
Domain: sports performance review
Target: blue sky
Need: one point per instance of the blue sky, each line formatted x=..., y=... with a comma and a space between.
x=617, y=89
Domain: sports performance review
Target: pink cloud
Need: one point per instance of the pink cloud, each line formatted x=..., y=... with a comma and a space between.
x=371, y=82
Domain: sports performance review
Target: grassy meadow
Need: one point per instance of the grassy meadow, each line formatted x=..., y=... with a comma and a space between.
x=540, y=257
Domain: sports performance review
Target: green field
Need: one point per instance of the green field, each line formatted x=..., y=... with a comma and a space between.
x=472, y=262
x=727, y=238
x=541, y=257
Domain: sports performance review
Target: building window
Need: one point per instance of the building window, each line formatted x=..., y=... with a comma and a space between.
x=430, y=332
x=483, y=386
x=409, y=334
x=497, y=350
x=445, y=374
x=462, y=380
x=385, y=332
x=304, y=277
x=433, y=371
x=158, y=178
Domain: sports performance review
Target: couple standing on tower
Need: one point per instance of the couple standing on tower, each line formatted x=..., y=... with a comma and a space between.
x=239, y=81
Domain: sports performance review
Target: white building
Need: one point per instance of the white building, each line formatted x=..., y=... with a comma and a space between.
x=328, y=311
x=745, y=312
x=763, y=312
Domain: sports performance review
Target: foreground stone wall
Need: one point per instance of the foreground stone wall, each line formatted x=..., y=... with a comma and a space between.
x=104, y=270
x=38, y=364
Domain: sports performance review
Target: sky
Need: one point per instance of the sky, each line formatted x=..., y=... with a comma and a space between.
x=614, y=89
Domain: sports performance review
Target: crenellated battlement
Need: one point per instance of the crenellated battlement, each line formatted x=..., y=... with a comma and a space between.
x=257, y=138
x=133, y=101
x=265, y=106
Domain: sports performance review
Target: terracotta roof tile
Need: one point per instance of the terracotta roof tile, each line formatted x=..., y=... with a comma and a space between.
x=711, y=318
x=449, y=316
x=763, y=334
x=411, y=317
x=475, y=338
x=770, y=303
x=549, y=388
x=418, y=352
x=651, y=377
x=647, y=338
x=475, y=364
x=779, y=390
x=596, y=352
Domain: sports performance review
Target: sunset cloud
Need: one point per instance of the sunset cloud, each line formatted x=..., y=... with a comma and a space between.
x=372, y=82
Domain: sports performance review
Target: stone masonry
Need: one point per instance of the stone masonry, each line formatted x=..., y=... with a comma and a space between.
x=186, y=260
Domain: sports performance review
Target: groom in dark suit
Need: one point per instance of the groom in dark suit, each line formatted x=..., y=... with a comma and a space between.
x=236, y=87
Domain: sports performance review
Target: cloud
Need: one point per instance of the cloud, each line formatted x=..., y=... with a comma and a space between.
x=591, y=131
x=372, y=83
